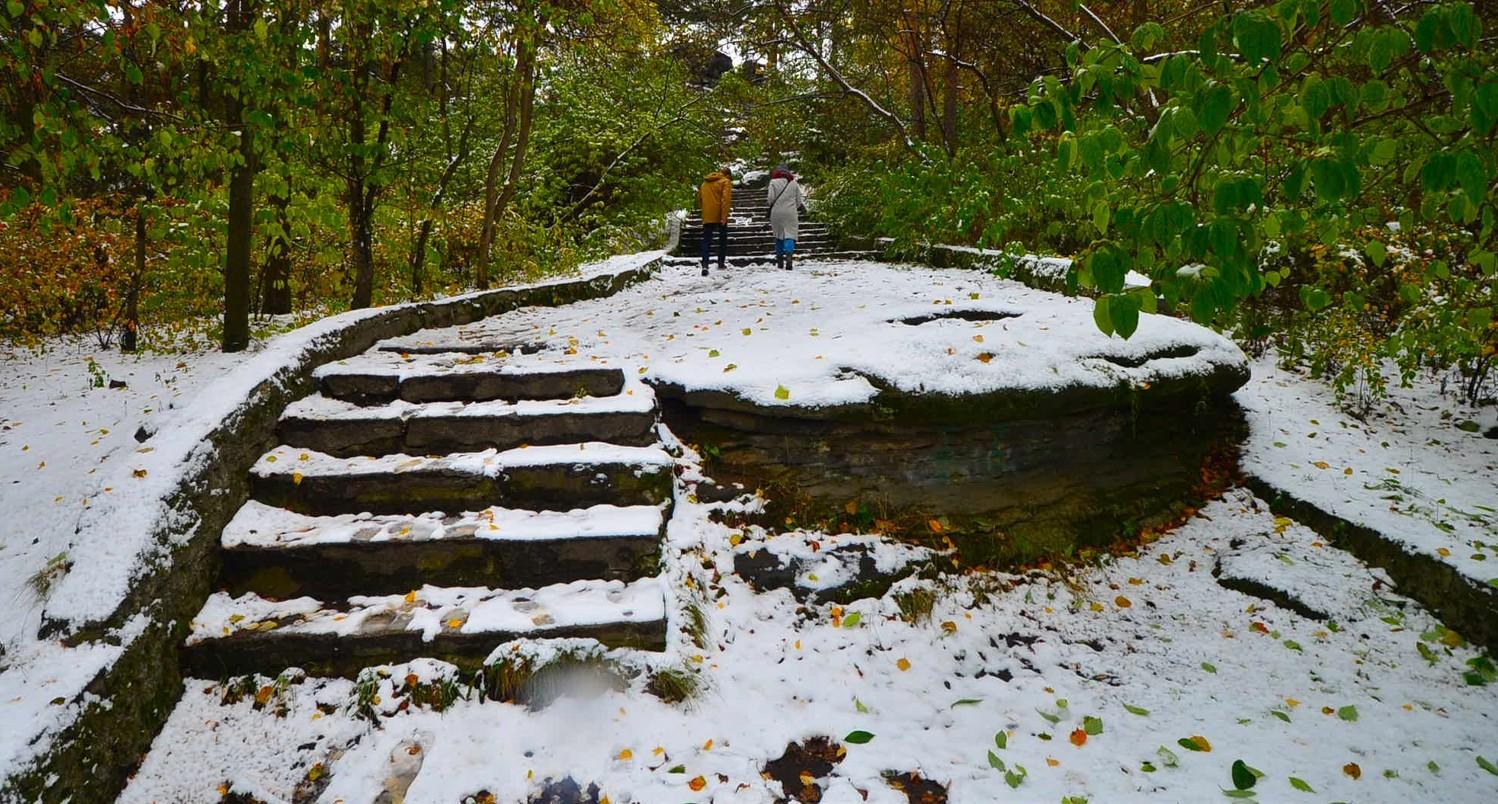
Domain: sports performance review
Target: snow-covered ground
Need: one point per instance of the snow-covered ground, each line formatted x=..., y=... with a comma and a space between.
x=1407, y=470
x=83, y=497
x=823, y=335
x=1141, y=677
x=1150, y=646
x=62, y=432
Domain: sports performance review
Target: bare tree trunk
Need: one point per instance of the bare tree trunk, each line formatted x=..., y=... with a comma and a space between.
x=129, y=339
x=361, y=241
x=519, y=105
x=916, y=78
x=491, y=188
x=241, y=209
x=950, y=89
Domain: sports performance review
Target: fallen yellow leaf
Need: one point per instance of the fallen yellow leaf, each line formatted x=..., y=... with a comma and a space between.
x=903, y=664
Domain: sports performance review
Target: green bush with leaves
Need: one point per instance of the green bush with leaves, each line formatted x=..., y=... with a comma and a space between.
x=1301, y=121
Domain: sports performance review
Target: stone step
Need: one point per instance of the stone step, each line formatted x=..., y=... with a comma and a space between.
x=489, y=348
x=757, y=225
x=252, y=634
x=768, y=258
x=282, y=554
x=382, y=376
x=764, y=238
x=560, y=477
x=344, y=429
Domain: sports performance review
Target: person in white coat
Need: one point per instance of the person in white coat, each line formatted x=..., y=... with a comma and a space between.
x=784, y=195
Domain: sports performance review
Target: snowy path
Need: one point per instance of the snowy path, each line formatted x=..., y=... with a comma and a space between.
x=1144, y=677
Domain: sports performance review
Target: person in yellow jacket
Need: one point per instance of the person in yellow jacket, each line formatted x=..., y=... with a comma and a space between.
x=716, y=197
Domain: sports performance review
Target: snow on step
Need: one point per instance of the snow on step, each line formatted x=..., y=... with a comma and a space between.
x=563, y=476
x=344, y=428
x=249, y=633
x=285, y=554
x=383, y=376
x=257, y=525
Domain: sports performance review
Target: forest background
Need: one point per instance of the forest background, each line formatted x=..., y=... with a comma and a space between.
x=1318, y=177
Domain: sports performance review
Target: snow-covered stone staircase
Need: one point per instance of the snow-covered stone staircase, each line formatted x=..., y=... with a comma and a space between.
x=438, y=505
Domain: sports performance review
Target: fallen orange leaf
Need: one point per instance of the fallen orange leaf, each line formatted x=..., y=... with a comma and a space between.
x=1079, y=737
x=626, y=754
x=697, y=784
x=1122, y=602
x=903, y=664
x=1352, y=769
x=1053, y=762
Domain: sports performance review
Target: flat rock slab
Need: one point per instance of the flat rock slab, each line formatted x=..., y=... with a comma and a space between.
x=279, y=553
x=1292, y=567
x=344, y=429
x=384, y=376
x=561, y=477
x=831, y=340
x=245, y=634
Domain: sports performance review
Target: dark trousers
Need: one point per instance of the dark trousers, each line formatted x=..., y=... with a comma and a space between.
x=721, y=230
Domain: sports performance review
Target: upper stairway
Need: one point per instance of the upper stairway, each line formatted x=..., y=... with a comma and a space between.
x=750, y=238
x=439, y=505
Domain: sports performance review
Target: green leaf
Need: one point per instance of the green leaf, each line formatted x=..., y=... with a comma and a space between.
x=1050, y=717
x=1214, y=103
x=1136, y=710
x=1281, y=715
x=966, y=702
x=1343, y=11
x=1244, y=777
x=1209, y=667
x=1258, y=37
x=1100, y=214
x=1348, y=713
x=1124, y=310
x=1168, y=757
x=1102, y=318
x=858, y=737
x=1001, y=739
x=1300, y=784
x=852, y=620
x=782, y=392
x=995, y=763
x=1239, y=793
x=1383, y=152
x=15, y=7
x=862, y=708
x=1483, y=763
x=1188, y=744
x=1092, y=725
